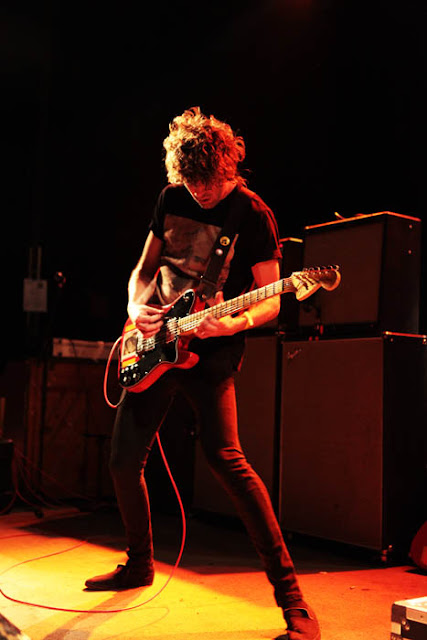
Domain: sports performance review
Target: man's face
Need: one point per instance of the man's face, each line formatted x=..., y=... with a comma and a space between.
x=207, y=195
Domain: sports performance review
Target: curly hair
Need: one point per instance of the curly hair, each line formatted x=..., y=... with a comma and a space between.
x=202, y=149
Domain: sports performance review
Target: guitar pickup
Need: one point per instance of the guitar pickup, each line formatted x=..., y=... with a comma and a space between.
x=171, y=329
x=145, y=344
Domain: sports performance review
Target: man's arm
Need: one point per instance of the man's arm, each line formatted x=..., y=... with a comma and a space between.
x=264, y=273
x=141, y=283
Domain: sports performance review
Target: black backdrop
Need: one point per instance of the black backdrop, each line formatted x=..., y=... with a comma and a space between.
x=329, y=96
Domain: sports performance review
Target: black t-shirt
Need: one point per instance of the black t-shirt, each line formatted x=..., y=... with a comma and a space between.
x=189, y=232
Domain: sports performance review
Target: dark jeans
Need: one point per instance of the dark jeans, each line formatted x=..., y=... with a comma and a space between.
x=213, y=399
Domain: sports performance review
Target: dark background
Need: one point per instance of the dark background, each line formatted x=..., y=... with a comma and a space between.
x=329, y=96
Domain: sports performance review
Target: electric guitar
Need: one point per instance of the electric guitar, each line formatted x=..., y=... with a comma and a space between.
x=143, y=360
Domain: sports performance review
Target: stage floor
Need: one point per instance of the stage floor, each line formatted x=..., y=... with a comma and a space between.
x=218, y=591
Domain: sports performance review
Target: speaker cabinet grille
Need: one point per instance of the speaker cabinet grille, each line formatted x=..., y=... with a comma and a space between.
x=353, y=440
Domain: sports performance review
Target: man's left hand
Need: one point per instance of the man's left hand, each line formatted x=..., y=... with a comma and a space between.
x=211, y=327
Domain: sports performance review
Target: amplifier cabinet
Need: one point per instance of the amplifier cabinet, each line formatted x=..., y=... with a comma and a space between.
x=353, y=431
x=69, y=426
x=380, y=260
x=292, y=260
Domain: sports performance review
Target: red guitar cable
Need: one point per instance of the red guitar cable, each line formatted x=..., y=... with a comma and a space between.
x=137, y=606
x=107, y=369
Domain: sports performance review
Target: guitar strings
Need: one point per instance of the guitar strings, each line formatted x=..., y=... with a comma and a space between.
x=176, y=326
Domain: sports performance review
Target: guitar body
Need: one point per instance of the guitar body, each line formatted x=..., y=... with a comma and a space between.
x=143, y=361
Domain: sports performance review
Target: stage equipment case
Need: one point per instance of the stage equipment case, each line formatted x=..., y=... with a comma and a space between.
x=409, y=619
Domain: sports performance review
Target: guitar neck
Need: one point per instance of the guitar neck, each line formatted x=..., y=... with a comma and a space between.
x=234, y=305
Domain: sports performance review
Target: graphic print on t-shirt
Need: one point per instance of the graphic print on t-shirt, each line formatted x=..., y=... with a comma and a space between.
x=187, y=248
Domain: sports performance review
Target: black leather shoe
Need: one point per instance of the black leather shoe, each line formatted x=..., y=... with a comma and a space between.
x=302, y=625
x=126, y=576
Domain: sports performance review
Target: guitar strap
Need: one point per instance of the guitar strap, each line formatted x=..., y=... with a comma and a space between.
x=208, y=281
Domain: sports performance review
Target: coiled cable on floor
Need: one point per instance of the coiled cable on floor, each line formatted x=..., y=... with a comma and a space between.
x=137, y=606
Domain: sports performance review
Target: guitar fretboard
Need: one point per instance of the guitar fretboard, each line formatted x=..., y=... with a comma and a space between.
x=188, y=323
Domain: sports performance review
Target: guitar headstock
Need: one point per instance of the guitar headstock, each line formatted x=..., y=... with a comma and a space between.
x=310, y=280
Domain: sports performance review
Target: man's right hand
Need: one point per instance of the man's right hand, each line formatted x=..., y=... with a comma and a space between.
x=148, y=319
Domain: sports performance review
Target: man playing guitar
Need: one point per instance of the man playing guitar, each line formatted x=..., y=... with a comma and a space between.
x=205, y=186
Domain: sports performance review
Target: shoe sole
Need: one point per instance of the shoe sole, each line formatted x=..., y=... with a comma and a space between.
x=90, y=587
